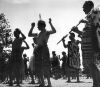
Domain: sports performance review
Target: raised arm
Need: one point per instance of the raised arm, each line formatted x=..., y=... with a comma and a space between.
x=75, y=29
x=27, y=46
x=52, y=27
x=23, y=36
x=65, y=46
x=30, y=34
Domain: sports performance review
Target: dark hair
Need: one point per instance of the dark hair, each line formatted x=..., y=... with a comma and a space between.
x=24, y=55
x=16, y=32
x=88, y=4
x=53, y=52
x=72, y=34
x=41, y=23
x=63, y=52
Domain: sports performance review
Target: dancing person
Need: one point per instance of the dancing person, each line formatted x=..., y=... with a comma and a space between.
x=22, y=67
x=16, y=56
x=41, y=52
x=90, y=40
x=72, y=56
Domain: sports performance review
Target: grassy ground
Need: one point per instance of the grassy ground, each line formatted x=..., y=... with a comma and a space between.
x=59, y=83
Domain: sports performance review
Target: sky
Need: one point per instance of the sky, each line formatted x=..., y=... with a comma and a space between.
x=64, y=14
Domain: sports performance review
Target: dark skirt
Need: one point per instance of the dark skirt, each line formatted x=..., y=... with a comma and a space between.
x=15, y=62
x=42, y=60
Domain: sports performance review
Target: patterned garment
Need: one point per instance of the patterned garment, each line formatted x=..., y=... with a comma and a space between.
x=73, y=55
x=91, y=37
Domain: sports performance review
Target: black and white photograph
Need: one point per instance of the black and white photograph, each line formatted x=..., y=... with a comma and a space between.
x=49, y=43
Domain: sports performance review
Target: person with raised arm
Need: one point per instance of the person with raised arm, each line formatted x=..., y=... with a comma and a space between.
x=72, y=63
x=91, y=40
x=16, y=56
x=41, y=52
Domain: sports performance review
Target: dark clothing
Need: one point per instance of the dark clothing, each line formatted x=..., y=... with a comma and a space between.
x=25, y=65
x=25, y=61
x=42, y=60
x=55, y=61
x=64, y=61
x=16, y=54
x=15, y=62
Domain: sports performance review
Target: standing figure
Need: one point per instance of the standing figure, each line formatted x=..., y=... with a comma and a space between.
x=22, y=64
x=64, y=61
x=55, y=65
x=16, y=56
x=91, y=40
x=32, y=62
x=41, y=52
x=72, y=63
x=25, y=60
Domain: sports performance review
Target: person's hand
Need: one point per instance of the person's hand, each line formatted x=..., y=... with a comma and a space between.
x=74, y=29
x=50, y=20
x=83, y=21
x=33, y=24
x=63, y=39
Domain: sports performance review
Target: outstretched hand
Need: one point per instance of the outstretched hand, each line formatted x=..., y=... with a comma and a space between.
x=50, y=20
x=63, y=39
x=74, y=28
x=83, y=21
x=33, y=24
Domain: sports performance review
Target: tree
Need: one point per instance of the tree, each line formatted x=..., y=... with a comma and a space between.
x=5, y=32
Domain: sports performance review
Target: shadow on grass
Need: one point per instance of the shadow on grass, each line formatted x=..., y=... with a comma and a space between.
x=78, y=82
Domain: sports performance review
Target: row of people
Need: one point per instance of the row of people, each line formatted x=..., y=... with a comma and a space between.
x=90, y=48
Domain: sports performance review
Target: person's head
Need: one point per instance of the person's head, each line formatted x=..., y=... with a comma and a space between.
x=72, y=36
x=63, y=53
x=53, y=53
x=24, y=55
x=17, y=32
x=87, y=6
x=41, y=25
x=77, y=42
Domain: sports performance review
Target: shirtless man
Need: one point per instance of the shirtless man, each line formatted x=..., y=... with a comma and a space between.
x=41, y=52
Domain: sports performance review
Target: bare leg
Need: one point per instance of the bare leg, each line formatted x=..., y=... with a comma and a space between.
x=32, y=77
x=95, y=75
x=41, y=79
x=49, y=82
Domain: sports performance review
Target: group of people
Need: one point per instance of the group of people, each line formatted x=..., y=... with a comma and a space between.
x=90, y=46
x=90, y=40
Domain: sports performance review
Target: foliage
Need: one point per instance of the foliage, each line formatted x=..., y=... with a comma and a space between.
x=5, y=31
